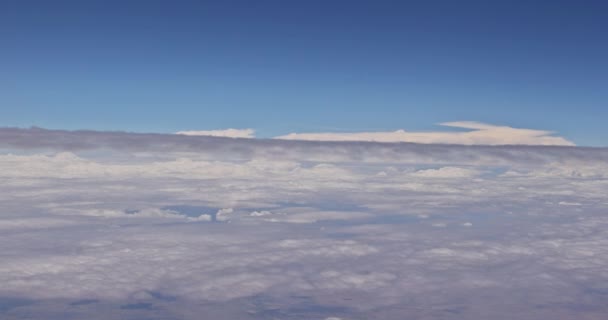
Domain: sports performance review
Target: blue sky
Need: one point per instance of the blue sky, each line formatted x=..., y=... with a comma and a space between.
x=305, y=66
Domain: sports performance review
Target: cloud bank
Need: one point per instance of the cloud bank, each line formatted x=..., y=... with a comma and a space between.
x=116, y=225
x=481, y=134
x=210, y=148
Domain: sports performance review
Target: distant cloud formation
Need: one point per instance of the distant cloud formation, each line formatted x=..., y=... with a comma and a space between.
x=481, y=134
x=229, y=133
x=211, y=148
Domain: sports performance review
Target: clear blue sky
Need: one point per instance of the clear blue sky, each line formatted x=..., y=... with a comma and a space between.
x=285, y=66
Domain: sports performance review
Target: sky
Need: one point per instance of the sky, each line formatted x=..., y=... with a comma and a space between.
x=281, y=67
x=318, y=160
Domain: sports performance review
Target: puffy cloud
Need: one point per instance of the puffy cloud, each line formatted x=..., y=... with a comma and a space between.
x=229, y=133
x=481, y=134
x=223, y=214
x=261, y=213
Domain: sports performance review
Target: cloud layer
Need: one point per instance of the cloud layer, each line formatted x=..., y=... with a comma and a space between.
x=156, y=226
x=320, y=151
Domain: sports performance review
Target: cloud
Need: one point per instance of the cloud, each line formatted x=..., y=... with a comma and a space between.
x=223, y=214
x=34, y=223
x=121, y=144
x=309, y=215
x=315, y=231
x=446, y=172
x=229, y=133
x=481, y=134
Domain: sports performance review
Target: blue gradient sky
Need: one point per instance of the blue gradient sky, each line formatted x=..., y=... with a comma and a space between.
x=293, y=66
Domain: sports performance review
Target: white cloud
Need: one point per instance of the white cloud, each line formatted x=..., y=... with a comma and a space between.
x=261, y=213
x=442, y=226
x=480, y=134
x=566, y=203
x=223, y=214
x=202, y=217
x=446, y=172
x=229, y=133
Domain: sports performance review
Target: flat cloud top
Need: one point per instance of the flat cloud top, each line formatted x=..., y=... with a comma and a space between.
x=229, y=133
x=174, y=226
x=481, y=134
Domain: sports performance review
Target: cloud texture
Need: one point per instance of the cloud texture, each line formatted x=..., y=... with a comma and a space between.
x=157, y=226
